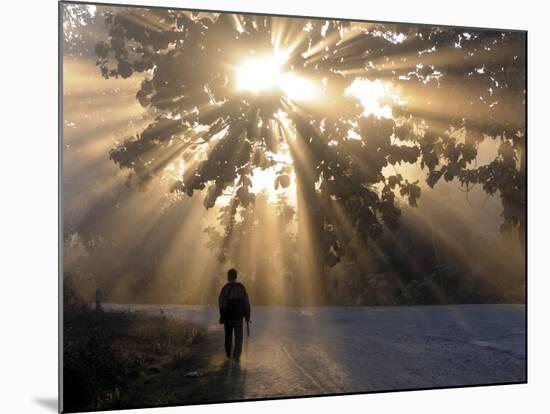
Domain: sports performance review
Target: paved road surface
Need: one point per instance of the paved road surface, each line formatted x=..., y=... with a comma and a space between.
x=311, y=351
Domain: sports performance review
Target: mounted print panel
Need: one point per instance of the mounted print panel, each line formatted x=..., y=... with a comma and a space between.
x=260, y=207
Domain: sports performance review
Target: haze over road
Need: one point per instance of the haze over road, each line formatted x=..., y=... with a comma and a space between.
x=326, y=350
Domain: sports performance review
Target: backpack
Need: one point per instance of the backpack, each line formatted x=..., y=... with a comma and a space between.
x=234, y=306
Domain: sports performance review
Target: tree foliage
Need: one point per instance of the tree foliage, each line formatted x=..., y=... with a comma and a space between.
x=461, y=87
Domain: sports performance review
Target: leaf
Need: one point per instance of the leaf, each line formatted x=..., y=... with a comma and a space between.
x=284, y=180
x=393, y=180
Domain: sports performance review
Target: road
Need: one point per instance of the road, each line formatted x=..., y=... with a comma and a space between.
x=327, y=350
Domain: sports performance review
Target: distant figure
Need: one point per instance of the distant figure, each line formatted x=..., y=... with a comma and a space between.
x=234, y=306
x=98, y=298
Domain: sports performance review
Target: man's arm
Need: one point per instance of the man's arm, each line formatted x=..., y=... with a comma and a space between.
x=246, y=305
x=222, y=300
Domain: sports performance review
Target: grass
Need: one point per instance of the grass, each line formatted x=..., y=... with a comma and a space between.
x=109, y=357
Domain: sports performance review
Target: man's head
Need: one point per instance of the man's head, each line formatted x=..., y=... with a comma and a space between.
x=231, y=275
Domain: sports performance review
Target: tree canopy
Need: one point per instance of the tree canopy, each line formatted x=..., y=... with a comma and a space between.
x=456, y=88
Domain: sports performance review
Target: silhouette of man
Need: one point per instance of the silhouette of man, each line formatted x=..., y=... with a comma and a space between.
x=234, y=306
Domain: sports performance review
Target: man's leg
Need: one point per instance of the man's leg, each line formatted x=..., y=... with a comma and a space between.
x=238, y=340
x=228, y=338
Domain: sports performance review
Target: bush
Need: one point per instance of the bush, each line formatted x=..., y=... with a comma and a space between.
x=94, y=374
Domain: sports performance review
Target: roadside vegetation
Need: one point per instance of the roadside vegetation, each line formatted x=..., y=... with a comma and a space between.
x=109, y=356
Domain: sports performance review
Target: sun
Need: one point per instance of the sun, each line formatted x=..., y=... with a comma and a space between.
x=261, y=73
x=265, y=73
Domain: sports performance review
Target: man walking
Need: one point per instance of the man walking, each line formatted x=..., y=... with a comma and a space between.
x=234, y=306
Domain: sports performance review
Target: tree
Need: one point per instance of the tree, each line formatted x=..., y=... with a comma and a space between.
x=78, y=40
x=461, y=87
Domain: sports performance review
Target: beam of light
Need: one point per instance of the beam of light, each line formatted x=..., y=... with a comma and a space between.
x=318, y=51
x=439, y=105
x=151, y=20
x=310, y=282
x=237, y=23
x=81, y=79
x=331, y=44
x=260, y=256
x=194, y=269
x=264, y=180
x=286, y=35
